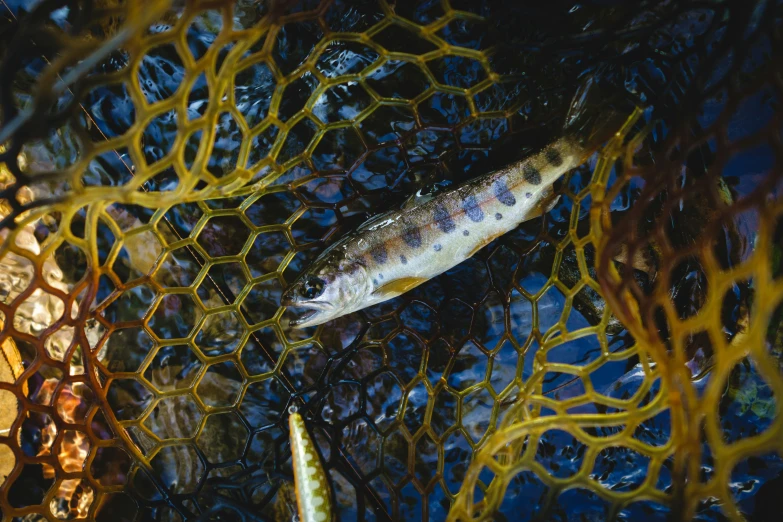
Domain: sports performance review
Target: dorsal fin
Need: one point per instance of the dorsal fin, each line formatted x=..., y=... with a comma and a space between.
x=374, y=221
x=425, y=194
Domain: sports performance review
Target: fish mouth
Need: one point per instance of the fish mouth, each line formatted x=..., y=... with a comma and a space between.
x=304, y=319
x=308, y=314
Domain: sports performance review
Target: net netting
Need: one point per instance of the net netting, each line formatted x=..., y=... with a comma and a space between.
x=167, y=167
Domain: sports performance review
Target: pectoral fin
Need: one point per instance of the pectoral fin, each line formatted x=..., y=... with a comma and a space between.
x=398, y=287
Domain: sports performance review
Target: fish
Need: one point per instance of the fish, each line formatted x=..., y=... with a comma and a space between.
x=397, y=251
x=313, y=495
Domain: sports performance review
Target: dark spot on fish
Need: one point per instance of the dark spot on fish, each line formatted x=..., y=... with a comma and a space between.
x=472, y=209
x=443, y=219
x=498, y=216
x=375, y=282
x=379, y=254
x=528, y=195
x=412, y=237
x=531, y=174
x=503, y=194
x=554, y=157
x=465, y=233
x=403, y=260
x=380, y=276
x=437, y=247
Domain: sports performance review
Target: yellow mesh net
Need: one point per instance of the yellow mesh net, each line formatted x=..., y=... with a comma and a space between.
x=167, y=168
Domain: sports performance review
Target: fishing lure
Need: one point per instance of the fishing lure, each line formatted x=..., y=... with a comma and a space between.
x=313, y=497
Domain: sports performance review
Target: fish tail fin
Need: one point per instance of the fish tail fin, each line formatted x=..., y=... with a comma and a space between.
x=597, y=111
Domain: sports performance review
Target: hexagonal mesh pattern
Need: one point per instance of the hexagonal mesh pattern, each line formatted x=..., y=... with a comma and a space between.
x=166, y=170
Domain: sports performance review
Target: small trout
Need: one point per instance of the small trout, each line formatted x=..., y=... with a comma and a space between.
x=397, y=251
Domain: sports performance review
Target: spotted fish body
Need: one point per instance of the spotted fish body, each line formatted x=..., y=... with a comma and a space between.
x=402, y=249
x=313, y=498
x=414, y=245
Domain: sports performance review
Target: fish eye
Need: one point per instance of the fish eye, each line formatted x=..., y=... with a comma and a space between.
x=312, y=288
